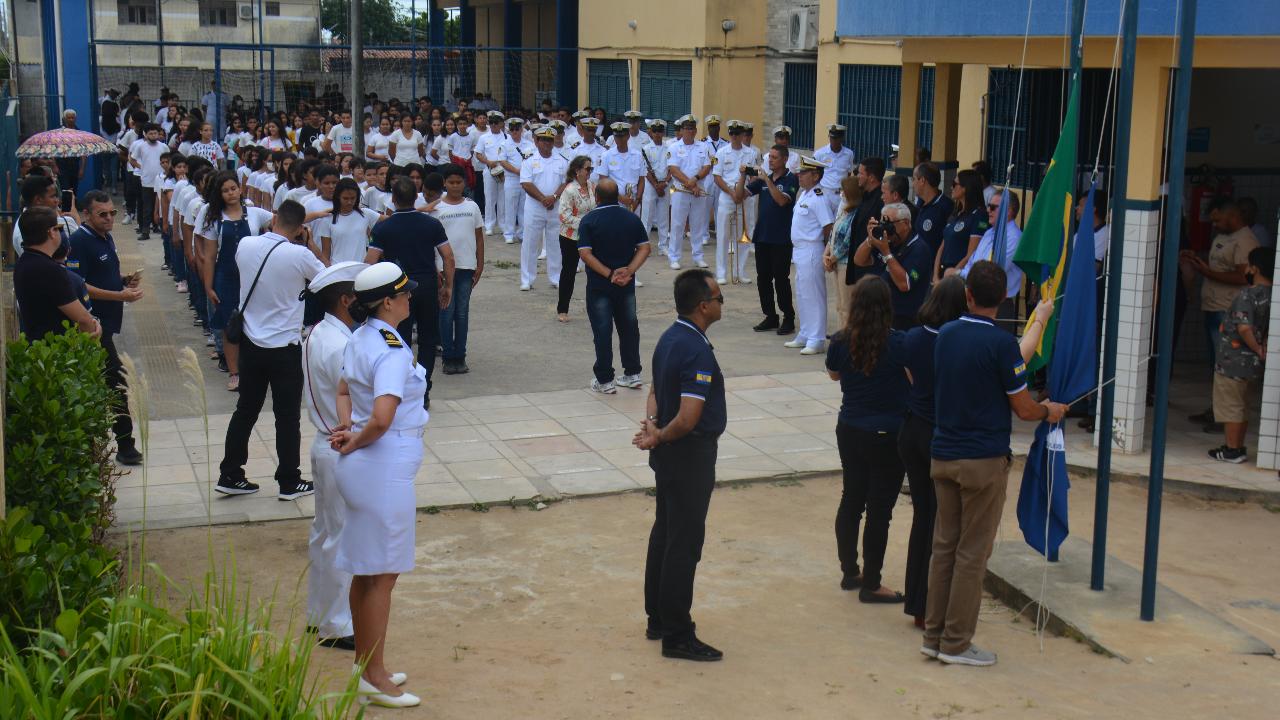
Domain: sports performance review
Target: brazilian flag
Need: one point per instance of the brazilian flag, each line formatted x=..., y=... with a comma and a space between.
x=1042, y=251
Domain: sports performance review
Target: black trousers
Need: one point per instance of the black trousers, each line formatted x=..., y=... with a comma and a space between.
x=773, y=276
x=685, y=474
x=872, y=477
x=424, y=316
x=280, y=370
x=913, y=448
x=477, y=190
x=132, y=183
x=122, y=427
x=568, y=272
x=146, y=208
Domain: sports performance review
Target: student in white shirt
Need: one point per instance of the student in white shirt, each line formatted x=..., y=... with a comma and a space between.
x=407, y=146
x=145, y=156
x=207, y=148
x=440, y=146
x=342, y=137
x=464, y=225
x=344, y=232
x=378, y=145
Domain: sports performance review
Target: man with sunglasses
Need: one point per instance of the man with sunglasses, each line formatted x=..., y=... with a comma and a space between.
x=686, y=415
x=894, y=252
x=986, y=250
x=93, y=257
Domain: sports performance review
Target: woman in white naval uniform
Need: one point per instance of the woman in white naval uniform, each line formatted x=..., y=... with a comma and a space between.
x=380, y=455
x=328, y=588
x=810, y=226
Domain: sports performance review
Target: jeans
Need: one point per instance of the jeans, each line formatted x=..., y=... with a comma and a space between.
x=872, y=476
x=684, y=474
x=913, y=448
x=568, y=273
x=1213, y=332
x=424, y=316
x=279, y=369
x=773, y=274
x=607, y=308
x=455, y=319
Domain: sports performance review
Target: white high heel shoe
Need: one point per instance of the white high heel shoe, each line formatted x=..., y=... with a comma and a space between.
x=367, y=694
x=397, y=679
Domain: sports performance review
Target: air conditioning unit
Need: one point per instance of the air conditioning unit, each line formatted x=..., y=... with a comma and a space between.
x=247, y=10
x=802, y=31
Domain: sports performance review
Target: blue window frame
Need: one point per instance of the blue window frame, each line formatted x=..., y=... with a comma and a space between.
x=924, y=120
x=868, y=104
x=666, y=88
x=799, y=100
x=609, y=86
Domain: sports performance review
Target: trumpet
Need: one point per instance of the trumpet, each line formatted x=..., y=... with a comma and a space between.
x=737, y=221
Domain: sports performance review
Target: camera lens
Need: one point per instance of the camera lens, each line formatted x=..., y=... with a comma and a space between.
x=877, y=232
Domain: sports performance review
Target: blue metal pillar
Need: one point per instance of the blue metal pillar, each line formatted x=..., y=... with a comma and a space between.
x=49, y=44
x=76, y=83
x=435, y=68
x=511, y=40
x=567, y=57
x=413, y=52
x=467, y=40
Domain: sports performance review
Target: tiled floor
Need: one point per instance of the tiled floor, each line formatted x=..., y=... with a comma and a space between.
x=505, y=448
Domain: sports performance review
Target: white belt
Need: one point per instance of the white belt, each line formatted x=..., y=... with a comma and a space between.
x=407, y=432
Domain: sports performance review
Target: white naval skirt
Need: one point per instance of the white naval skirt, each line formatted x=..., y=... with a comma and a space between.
x=376, y=483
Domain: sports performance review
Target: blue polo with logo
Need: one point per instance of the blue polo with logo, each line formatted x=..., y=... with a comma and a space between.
x=977, y=366
x=916, y=259
x=955, y=238
x=684, y=365
x=931, y=220
x=93, y=257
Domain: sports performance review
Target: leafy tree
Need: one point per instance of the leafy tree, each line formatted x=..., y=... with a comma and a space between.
x=383, y=21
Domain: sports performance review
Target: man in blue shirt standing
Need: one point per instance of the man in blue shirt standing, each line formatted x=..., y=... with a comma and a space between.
x=613, y=244
x=934, y=207
x=93, y=257
x=979, y=376
x=411, y=240
x=686, y=416
x=777, y=188
x=904, y=261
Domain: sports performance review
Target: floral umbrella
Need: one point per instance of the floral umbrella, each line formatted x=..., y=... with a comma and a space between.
x=63, y=143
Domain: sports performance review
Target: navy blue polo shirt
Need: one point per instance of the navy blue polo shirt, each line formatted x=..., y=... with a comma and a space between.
x=955, y=238
x=612, y=233
x=684, y=363
x=773, y=226
x=409, y=239
x=916, y=258
x=917, y=356
x=41, y=285
x=875, y=402
x=931, y=220
x=93, y=257
x=977, y=366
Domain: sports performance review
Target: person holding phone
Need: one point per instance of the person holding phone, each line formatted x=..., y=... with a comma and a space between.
x=42, y=191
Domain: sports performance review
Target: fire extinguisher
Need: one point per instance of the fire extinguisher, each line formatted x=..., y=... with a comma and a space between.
x=1206, y=186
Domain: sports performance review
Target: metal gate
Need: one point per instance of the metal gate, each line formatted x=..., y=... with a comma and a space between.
x=924, y=121
x=666, y=88
x=609, y=85
x=799, y=98
x=868, y=104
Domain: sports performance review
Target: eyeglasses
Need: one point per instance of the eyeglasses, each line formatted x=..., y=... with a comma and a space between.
x=993, y=207
x=716, y=298
x=107, y=213
x=891, y=221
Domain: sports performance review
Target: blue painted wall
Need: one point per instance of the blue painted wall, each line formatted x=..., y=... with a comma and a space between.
x=1001, y=18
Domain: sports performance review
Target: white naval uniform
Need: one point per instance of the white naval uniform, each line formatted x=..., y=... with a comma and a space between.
x=839, y=165
x=638, y=140
x=377, y=481
x=793, y=160
x=655, y=209
x=490, y=144
x=541, y=224
x=328, y=604
x=625, y=168
x=713, y=190
x=594, y=150
x=514, y=154
x=729, y=214
x=752, y=203
x=690, y=158
x=811, y=215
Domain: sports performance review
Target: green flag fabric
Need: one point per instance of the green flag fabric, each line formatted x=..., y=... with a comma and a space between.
x=1042, y=251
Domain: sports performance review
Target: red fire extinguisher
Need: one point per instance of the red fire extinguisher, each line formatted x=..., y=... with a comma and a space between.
x=1205, y=187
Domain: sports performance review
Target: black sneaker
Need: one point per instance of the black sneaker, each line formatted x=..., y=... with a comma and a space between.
x=460, y=367
x=127, y=454
x=1222, y=453
x=235, y=486
x=222, y=365
x=691, y=649
x=449, y=367
x=339, y=643
x=769, y=323
x=302, y=488
x=788, y=326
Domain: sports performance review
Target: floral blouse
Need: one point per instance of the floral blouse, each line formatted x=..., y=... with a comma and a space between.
x=575, y=202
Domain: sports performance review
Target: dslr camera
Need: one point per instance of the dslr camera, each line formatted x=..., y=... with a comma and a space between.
x=751, y=171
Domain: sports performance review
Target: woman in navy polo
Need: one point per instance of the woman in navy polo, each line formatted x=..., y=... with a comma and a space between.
x=865, y=357
x=967, y=222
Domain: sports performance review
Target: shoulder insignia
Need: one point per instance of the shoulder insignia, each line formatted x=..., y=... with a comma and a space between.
x=575, y=144
x=390, y=337
x=817, y=191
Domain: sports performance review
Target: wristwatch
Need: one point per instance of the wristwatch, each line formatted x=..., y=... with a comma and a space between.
x=887, y=258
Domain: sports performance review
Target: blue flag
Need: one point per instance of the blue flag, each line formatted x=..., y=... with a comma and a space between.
x=1042, y=501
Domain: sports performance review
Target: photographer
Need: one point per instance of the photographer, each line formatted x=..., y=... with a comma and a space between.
x=901, y=258
x=772, y=237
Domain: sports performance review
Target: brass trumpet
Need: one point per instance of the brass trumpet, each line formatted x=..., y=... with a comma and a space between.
x=737, y=221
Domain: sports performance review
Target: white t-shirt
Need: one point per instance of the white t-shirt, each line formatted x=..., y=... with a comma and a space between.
x=281, y=194
x=440, y=150
x=377, y=144
x=406, y=147
x=343, y=138
x=148, y=156
x=210, y=151
x=376, y=199
x=274, y=143
x=460, y=223
x=348, y=234
x=273, y=318
x=258, y=218
x=315, y=203
x=461, y=145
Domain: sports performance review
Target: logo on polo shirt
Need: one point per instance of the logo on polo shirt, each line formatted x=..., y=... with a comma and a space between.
x=1020, y=369
x=701, y=377
x=927, y=225
x=958, y=226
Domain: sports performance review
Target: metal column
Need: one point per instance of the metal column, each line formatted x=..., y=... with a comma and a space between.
x=357, y=76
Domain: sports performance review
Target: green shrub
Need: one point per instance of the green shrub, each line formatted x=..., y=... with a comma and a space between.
x=57, y=429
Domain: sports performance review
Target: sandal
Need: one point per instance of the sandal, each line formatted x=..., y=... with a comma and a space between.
x=563, y=317
x=233, y=382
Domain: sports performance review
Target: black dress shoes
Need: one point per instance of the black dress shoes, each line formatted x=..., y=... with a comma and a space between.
x=769, y=323
x=691, y=649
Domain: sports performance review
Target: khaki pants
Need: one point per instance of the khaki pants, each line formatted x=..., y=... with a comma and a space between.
x=842, y=292
x=970, y=500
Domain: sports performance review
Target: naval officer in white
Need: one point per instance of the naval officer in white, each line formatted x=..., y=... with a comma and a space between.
x=810, y=227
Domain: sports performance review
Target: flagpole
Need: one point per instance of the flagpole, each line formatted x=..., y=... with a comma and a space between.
x=1168, y=287
x=1115, y=269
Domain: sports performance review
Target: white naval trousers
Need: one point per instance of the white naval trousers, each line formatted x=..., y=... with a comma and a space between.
x=512, y=208
x=541, y=230
x=695, y=211
x=833, y=200
x=811, y=293
x=713, y=205
x=377, y=485
x=729, y=229
x=656, y=210
x=494, y=201
x=328, y=588
x=752, y=203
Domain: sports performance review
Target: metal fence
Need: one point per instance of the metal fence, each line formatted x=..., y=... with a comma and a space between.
x=799, y=101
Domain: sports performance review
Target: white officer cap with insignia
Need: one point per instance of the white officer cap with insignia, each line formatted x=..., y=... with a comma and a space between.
x=494, y=115
x=684, y=120
x=345, y=271
x=545, y=132
x=381, y=280
x=514, y=123
x=712, y=120
x=633, y=115
x=734, y=126
x=658, y=124
x=589, y=123
x=579, y=114
x=557, y=125
x=835, y=129
x=782, y=130
x=811, y=163
x=620, y=128
x=748, y=127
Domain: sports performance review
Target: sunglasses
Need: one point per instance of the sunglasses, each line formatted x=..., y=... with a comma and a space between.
x=993, y=207
x=107, y=213
x=716, y=298
x=891, y=221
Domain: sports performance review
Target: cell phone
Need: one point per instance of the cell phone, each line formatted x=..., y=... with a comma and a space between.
x=137, y=275
x=68, y=198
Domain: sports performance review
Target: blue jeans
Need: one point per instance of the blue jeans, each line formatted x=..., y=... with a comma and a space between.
x=455, y=319
x=607, y=308
x=1213, y=332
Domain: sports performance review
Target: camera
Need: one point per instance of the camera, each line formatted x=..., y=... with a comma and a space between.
x=877, y=232
x=751, y=171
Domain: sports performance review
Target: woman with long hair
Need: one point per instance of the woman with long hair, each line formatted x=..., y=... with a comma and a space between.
x=285, y=180
x=836, y=257
x=578, y=199
x=275, y=138
x=946, y=302
x=407, y=145
x=344, y=234
x=379, y=146
x=440, y=147
x=865, y=358
x=965, y=226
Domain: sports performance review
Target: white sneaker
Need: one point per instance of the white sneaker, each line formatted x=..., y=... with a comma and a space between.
x=674, y=265
x=542, y=255
x=745, y=280
x=702, y=264
x=929, y=652
x=629, y=381
x=508, y=240
x=721, y=280
x=128, y=219
x=609, y=388
x=812, y=350
x=182, y=286
x=973, y=655
x=639, y=284
x=525, y=287
x=793, y=344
